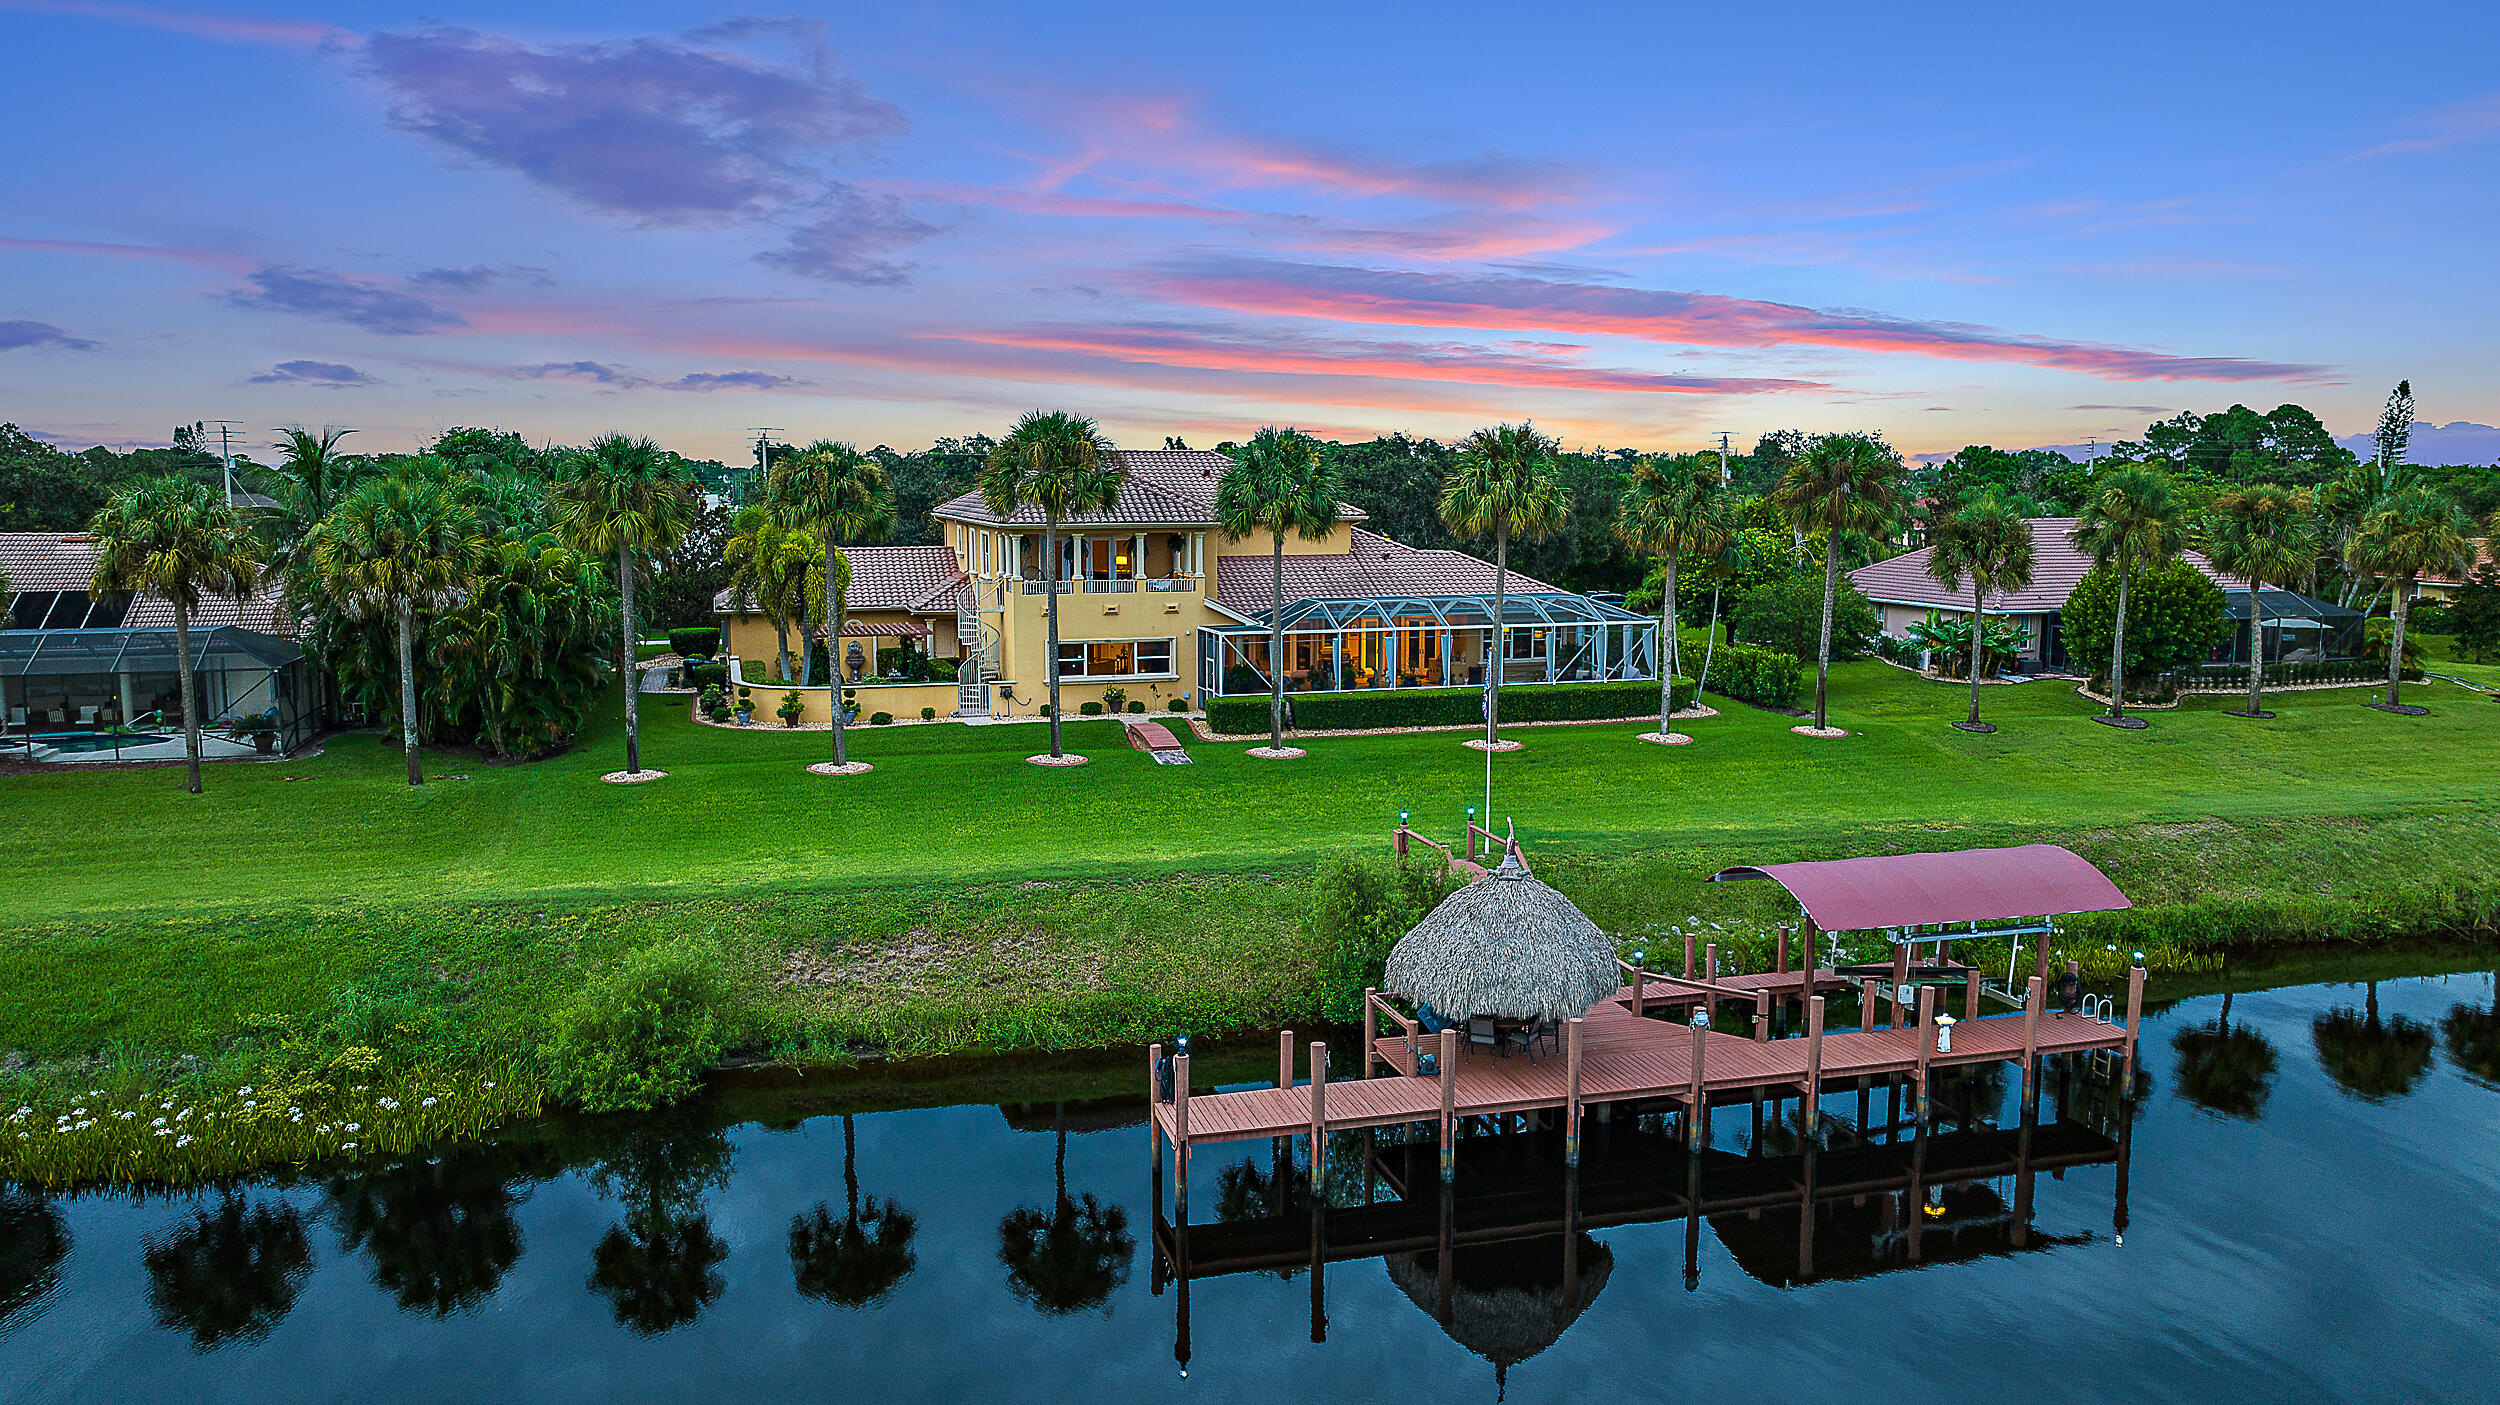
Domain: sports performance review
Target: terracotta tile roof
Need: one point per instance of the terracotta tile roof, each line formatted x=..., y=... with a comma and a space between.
x=2057, y=566
x=40, y=561
x=2482, y=549
x=1158, y=488
x=892, y=578
x=1375, y=567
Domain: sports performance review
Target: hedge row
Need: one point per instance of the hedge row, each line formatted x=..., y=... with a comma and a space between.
x=699, y=641
x=1444, y=707
x=1758, y=675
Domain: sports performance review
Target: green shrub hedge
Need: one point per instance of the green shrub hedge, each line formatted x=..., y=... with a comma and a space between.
x=1758, y=675
x=1090, y=709
x=709, y=675
x=1446, y=707
x=1182, y=704
x=879, y=719
x=700, y=641
x=928, y=714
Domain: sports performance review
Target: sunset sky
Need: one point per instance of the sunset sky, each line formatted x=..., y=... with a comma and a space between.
x=1640, y=225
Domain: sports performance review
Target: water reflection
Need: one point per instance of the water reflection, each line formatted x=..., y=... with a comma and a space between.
x=440, y=1230
x=2224, y=1070
x=658, y=1267
x=33, y=1241
x=1506, y=1302
x=2473, y=1038
x=857, y=1260
x=230, y=1274
x=1071, y=1256
x=2370, y=1058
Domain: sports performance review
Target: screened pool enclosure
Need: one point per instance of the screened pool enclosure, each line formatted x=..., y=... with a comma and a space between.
x=57, y=682
x=1430, y=641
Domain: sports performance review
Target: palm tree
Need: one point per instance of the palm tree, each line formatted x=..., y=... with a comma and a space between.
x=396, y=545
x=1059, y=464
x=2224, y=1070
x=2409, y=534
x=2131, y=519
x=1846, y=484
x=858, y=1260
x=2266, y=536
x=1506, y=485
x=831, y=493
x=1071, y=1257
x=770, y=571
x=313, y=473
x=179, y=541
x=2371, y=1059
x=1674, y=506
x=1280, y=483
x=1987, y=542
x=623, y=495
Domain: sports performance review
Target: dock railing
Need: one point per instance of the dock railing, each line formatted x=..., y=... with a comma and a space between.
x=1410, y=1035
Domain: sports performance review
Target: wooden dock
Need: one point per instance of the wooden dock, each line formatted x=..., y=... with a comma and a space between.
x=1614, y=1055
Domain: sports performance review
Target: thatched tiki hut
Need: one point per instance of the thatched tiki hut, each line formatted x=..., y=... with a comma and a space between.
x=1506, y=946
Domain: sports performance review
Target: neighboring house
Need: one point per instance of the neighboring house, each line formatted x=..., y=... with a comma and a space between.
x=1156, y=602
x=1903, y=593
x=2444, y=588
x=75, y=668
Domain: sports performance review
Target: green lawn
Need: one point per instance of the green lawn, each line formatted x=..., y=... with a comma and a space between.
x=740, y=816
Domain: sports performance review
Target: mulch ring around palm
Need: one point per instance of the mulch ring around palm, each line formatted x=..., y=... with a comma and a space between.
x=1276, y=753
x=1664, y=738
x=1046, y=759
x=633, y=777
x=847, y=768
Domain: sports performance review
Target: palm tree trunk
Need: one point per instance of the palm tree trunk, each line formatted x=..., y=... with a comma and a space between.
x=1493, y=669
x=1667, y=650
x=408, y=691
x=781, y=640
x=190, y=703
x=850, y=1172
x=633, y=715
x=2118, y=652
x=2398, y=613
x=833, y=645
x=1978, y=636
x=2256, y=649
x=1050, y=610
x=1823, y=645
x=1276, y=651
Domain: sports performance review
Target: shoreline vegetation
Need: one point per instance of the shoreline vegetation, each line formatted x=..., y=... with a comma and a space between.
x=164, y=947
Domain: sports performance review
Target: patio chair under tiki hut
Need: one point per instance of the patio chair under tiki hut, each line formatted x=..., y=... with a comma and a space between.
x=1505, y=946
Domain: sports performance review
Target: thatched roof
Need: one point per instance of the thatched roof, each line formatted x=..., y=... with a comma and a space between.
x=1498, y=1311
x=1505, y=945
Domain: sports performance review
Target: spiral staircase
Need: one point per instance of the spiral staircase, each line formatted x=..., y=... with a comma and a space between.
x=981, y=647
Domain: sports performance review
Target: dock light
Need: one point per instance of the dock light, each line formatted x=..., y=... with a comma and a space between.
x=1181, y=1045
x=1701, y=1017
x=2139, y=958
x=1471, y=814
x=1636, y=957
x=1944, y=1034
x=1403, y=817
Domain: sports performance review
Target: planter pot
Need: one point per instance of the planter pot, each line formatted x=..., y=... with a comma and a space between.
x=745, y=716
x=789, y=721
x=265, y=742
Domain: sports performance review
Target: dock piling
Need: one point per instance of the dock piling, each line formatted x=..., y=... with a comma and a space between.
x=1284, y=1058
x=1696, y=1098
x=1180, y=1134
x=1779, y=959
x=1688, y=956
x=1571, y=1083
x=1814, y=1065
x=1154, y=1099
x=1900, y=978
x=2034, y=999
x=1970, y=995
x=1369, y=1040
x=1319, y=1118
x=2135, y=1019
x=1449, y=1107
x=1710, y=966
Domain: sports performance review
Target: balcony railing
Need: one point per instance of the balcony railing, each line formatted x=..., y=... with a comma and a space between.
x=1098, y=585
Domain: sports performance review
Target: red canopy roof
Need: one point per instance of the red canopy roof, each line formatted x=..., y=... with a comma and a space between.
x=1974, y=885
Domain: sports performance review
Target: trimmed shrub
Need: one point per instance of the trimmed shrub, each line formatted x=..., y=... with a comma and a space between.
x=944, y=670
x=2175, y=617
x=879, y=719
x=1090, y=709
x=709, y=675
x=1137, y=705
x=1758, y=675
x=928, y=714
x=641, y=1035
x=1787, y=615
x=1237, y=716
x=701, y=641
x=1442, y=707
x=1045, y=709
x=1182, y=704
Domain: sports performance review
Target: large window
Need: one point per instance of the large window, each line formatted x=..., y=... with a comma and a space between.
x=1115, y=658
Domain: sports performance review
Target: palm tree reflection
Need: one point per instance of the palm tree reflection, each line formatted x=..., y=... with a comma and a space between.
x=2473, y=1038
x=2372, y=1059
x=441, y=1231
x=1071, y=1257
x=857, y=1260
x=231, y=1274
x=658, y=1267
x=33, y=1241
x=2223, y=1070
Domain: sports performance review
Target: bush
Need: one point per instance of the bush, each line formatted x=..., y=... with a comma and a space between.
x=1045, y=710
x=642, y=1034
x=709, y=675
x=928, y=714
x=1241, y=680
x=792, y=706
x=703, y=641
x=2175, y=617
x=1137, y=705
x=719, y=712
x=1180, y=704
x=944, y=670
x=1787, y=615
x=1090, y=709
x=1359, y=907
x=1757, y=675
x=879, y=719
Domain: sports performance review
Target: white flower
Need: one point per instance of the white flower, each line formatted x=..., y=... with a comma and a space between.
x=298, y=1117
x=429, y=1102
x=164, y=1131
x=295, y=1112
x=158, y=1122
x=355, y=1127
x=124, y=1116
x=166, y=1105
x=351, y=1146
x=182, y=1115
x=245, y=1090
x=180, y=1142
x=391, y=1104
x=490, y=1083
x=77, y=1112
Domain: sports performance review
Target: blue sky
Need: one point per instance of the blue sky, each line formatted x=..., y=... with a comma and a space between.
x=1639, y=225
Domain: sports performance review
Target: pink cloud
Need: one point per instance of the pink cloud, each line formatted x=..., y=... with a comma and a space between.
x=200, y=258
x=231, y=29
x=1508, y=303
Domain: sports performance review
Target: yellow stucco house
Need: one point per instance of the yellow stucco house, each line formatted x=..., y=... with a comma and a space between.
x=1155, y=602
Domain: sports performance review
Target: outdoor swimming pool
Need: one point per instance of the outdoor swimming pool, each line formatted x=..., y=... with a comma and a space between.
x=96, y=741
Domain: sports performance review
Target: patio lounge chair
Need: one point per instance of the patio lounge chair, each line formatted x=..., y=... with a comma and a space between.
x=86, y=717
x=1524, y=1037
x=1482, y=1033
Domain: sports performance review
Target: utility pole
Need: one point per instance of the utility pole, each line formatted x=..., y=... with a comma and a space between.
x=763, y=452
x=225, y=453
x=1725, y=477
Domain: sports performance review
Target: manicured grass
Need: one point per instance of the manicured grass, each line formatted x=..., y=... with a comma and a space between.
x=739, y=814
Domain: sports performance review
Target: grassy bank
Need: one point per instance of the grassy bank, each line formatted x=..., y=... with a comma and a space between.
x=957, y=899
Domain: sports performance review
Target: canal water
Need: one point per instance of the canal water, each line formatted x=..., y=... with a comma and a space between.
x=2302, y=1204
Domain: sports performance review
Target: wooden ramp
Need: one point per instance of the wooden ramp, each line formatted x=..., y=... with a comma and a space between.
x=1156, y=740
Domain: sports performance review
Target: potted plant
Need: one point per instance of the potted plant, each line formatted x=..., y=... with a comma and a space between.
x=746, y=706
x=791, y=708
x=1114, y=699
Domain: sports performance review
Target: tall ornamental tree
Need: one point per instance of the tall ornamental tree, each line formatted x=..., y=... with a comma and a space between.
x=1674, y=506
x=831, y=493
x=1060, y=465
x=313, y=473
x=179, y=541
x=396, y=545
x=2267, y=536
x=2409, y=534
x=2132, y=519
x=1506, y=485
x=622, y=497
x=1987, y=543
x=770, y=570
x=1279, y=483
x=1845, y=484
